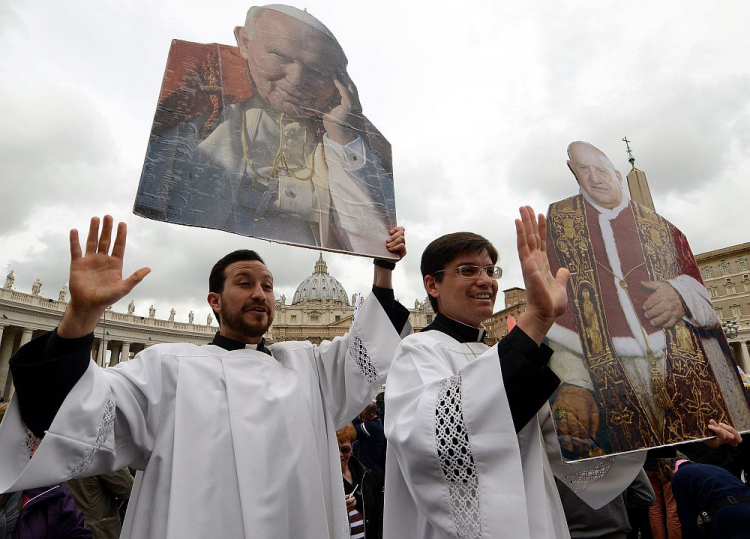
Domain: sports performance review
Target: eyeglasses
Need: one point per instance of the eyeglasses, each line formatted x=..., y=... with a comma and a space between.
x=471, y=271
x=345, y=449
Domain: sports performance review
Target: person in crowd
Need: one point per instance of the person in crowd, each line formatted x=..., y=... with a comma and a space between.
x=611, y=521
x=99, y=497
x=371, y=444
x=665, y=524
x=468, y=426
x=364, y=502
x=40, y=513
x=713, y=495
x=641, y=338
x=212, y=466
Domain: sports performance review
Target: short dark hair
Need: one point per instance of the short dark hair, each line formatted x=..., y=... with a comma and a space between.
x=217, y=277
x=444, y=249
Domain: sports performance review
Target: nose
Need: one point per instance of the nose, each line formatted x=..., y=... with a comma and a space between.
x=295, y=74
x=257, y=293
x=483, y=278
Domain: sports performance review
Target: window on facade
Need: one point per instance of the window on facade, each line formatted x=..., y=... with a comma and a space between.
x=294, y=318
x=724, y=268
x=429, y=319
x=747, y=286
x=313, y=318
x=730, y=289
x=736, y=311
x=742, y=265
x=708, y=272
x=338, y=317
x=718, y=314
x=714, y=293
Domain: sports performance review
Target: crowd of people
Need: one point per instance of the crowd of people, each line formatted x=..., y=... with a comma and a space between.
x=285, y=440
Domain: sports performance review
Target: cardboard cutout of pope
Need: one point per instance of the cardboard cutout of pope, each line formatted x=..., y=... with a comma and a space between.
x=640, y=351
x=268, y=140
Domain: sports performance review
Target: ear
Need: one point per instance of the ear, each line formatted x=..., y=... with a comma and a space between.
x=214, y=300
x=619, y=176
x=570, y=167
x=241, y=37
x=430, y=285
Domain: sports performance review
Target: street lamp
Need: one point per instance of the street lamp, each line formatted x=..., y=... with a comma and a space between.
x=731, y=328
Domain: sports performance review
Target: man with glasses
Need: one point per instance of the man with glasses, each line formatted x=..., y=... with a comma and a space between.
x=468, y=426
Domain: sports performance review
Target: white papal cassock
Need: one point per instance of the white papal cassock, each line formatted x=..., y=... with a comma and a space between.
x=230, y=444
x=456, y=468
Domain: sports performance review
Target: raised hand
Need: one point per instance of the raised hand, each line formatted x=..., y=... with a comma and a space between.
x=344, y=122
x=546, y=295
x=396, y=244
x=95, y=280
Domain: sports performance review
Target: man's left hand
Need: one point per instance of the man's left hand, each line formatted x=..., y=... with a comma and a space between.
x=344, y=122
x=546, y=295
x=396, y=242
x=664, y=306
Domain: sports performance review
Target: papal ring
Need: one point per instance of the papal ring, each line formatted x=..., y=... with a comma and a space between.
x=560, y=414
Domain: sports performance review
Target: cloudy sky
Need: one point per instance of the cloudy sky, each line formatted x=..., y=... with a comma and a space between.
x=479, y=106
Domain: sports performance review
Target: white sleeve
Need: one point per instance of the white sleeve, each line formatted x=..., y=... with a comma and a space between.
x=454, y=443
x=697, y=300
x=362, y=193
x=108, y=421
x=596, y=481
x=352, y=368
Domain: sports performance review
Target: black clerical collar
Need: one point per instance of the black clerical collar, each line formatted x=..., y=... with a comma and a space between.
x=458, y=330
x=230, y=344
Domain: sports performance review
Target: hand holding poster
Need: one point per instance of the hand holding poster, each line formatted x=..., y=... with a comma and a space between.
x=640, y=350
x=268, y=139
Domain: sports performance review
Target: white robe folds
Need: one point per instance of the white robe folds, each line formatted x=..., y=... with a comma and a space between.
x=230, y=444
x=456, y=467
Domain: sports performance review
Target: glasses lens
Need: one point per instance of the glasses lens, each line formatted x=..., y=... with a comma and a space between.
x=345, y=450
x=495, y=272
x=469, y=271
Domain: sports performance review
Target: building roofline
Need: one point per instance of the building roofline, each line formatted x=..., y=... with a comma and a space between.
x=723, y=251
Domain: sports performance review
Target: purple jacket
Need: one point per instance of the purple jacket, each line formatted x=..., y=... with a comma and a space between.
x=51, y=513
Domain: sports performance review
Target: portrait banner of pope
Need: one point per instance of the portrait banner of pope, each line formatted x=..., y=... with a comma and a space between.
x=640, y=351
x=267, y=139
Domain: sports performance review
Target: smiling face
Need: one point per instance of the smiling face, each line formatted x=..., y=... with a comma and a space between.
x=292, y=64
x=595, y=174
x=470, y=301
x=246, y=304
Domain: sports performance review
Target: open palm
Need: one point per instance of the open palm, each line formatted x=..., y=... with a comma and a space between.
x=95, y=280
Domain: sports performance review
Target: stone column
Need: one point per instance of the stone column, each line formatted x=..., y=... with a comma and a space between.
x=6, y=350
x=125, y=352
x=744, y=357
x=114, y=357
x=9, y=388
x=102, y=356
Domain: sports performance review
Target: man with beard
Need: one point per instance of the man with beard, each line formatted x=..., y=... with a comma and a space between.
x=268, y=140
x=231, y=439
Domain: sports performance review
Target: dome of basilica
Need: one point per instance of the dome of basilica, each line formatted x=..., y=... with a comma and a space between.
x=320, y=286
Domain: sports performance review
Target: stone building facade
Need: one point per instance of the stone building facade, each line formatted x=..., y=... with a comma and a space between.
x=726, y=274
x=497, y=325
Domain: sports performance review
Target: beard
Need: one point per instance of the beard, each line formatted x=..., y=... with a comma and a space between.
x=234, y=320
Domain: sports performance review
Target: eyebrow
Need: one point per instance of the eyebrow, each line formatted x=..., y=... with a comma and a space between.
x=245, y=273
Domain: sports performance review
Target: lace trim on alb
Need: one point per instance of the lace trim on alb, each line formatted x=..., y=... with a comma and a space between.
x=32, y=442
x=456, y=459
x=103, y=431
x=361, y=357
x=578, y=481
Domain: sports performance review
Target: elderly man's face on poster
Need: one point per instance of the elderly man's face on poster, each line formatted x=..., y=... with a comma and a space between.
x=292, y=65
x=268, y=140
x=640, y=352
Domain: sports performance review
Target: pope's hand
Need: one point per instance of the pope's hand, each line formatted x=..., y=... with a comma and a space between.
x=95, y=280
x=664, y=306
x=344, y=122
x=577, y=417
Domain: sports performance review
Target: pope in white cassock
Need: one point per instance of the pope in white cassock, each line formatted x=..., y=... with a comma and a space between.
x=471, y=446
x=231, y=439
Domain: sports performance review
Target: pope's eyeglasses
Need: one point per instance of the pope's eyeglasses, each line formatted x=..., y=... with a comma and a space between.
x=471, y=271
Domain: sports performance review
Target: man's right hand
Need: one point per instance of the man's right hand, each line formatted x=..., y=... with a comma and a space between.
x=96, y=278
x=577, y=417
